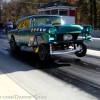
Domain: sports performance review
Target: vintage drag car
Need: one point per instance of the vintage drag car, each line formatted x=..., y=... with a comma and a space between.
x=48, y=35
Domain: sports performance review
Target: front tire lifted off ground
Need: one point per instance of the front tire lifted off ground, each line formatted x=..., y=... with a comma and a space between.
x=82, y=51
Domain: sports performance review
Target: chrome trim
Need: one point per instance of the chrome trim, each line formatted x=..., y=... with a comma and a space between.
x=78, y=48
x=62, y=52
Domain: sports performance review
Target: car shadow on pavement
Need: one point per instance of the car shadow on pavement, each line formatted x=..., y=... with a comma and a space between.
x=30, y=61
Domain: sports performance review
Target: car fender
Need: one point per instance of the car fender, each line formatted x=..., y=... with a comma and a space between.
x=37, y=41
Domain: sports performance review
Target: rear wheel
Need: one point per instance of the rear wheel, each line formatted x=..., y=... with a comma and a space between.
x=44, y=52
x=82, y=51
x=13, y=45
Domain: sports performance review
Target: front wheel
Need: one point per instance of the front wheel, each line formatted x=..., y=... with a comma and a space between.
x=44, y=52
x=82, y=51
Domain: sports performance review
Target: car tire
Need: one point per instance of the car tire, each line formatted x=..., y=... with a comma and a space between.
x=44, y=52
x=13, y=45
x=83, y=50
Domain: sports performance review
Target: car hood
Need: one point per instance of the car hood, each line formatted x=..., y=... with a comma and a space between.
x=68, y=29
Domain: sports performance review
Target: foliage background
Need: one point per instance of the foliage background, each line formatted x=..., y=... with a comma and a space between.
x=87, y=12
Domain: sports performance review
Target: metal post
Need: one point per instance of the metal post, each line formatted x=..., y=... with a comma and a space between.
x=91, y=12
x=0, y=11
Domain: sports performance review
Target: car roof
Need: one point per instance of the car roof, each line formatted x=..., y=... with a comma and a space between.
x=39, y=16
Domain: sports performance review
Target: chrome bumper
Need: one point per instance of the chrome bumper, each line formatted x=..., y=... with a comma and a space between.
x=78, y=48
x=62, y=52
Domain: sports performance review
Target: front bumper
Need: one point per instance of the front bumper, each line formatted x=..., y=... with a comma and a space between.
x=77, y=48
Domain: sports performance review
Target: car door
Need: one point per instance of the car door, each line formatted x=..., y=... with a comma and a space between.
x=19, y=32
x=24, y=32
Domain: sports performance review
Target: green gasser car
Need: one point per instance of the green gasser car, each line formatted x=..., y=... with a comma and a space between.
x=48, y=35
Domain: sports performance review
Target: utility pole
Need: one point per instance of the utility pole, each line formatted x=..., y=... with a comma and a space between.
x=95, y=14
x=39, y=3
x=0, y=9
x=91, y=12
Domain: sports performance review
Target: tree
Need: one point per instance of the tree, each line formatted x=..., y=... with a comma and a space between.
x=88, y=11
x=16, y=10
x=1, y=1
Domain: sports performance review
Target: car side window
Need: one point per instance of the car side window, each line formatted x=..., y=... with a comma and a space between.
x=20, y=25
x=26, y=23
x=39, y=21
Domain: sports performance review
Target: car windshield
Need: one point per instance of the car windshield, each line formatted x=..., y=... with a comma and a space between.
x=45, y=20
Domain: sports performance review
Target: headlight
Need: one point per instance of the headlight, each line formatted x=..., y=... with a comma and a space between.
x=67, y=37
x=52, y=31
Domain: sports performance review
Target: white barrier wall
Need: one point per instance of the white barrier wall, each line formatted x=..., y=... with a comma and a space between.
x=96, y=33
x=95, y=44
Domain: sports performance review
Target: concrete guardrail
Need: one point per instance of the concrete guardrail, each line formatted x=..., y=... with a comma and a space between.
x=95, y=44
x=96, y=33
